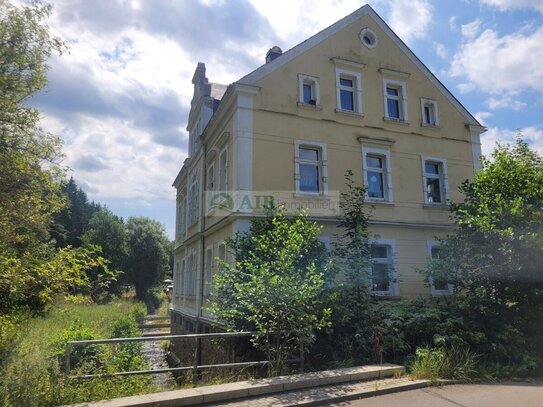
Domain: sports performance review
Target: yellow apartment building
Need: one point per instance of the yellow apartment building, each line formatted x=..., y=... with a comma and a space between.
x=352, y=97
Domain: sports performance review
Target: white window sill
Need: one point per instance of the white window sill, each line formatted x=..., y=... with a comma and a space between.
x=379, y=202
x=350, y=113
x=309, y=106
x=397, y=121
x=430, y=126
x=435, y=206
x=307, y=195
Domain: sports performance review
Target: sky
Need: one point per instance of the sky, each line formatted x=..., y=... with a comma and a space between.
x=120, y=97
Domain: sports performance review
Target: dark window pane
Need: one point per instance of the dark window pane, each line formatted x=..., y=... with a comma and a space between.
x=427, y=115
x=374, y=162
x=307, y=93
x=440, y=284
x=309, y=154
x=435, y=252
x=380, y=280
x=392, y=91
x=309, y=178
x=379, y=252
x=347, y=100
x=346, y=82
x=431, y=168
x=433, y=189
x=375, y=185
x=393, y=108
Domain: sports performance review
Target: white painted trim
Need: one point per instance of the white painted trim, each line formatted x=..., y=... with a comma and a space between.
x=347, y=62
x=365, y=31
x=444, y=178
x=323, y=166
x=423, y=103
x=392, y=72
x=476, y=151
x=394, y=288
x=313, y=41
x=357, y=90
x=314, y=81
x=402, y=99
x=450, y=287
x=242, y=140
x=210, y=192
x=389, y=195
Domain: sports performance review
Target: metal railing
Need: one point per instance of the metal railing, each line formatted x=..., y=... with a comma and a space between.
x=195, y=366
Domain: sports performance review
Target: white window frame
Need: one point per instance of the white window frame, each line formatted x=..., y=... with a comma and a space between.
x=443, y=177
x=191, y=274
x=224, y=188
x=176, y=280
x=450, y=287
x=433, y=105
x=323, y=166
x=208, y=271
x=210, y=184
x=402, y=99
x=312, y=81
x=193, y=200
x=387, y=178
x=393, y=287
x=356, y=77
x=180, y=280
x=181, y=216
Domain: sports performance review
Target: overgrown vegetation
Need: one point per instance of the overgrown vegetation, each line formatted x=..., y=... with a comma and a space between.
x=275, y=287
x=34, y=374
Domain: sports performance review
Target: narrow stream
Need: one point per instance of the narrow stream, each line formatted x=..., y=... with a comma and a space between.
x=155, y=355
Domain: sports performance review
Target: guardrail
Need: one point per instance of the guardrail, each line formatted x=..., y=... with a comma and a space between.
x=195, y=367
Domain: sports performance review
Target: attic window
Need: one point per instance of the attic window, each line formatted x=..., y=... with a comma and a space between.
x=368, y=38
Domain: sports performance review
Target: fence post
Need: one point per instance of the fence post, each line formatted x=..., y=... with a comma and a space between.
x=67, y=357
x=301, y=358
x=197, y=359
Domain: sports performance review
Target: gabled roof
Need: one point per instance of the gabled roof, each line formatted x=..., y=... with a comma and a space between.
x=313, y=41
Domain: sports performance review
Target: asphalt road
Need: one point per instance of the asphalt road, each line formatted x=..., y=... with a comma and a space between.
x=509, y=394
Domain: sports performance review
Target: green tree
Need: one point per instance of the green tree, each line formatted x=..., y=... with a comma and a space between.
x=352, y=249
x=108, y=231
x=494, y=257
x=29, y=189
x=148, y=254
x=275, y=285
x=72, y=221
x=497, y=250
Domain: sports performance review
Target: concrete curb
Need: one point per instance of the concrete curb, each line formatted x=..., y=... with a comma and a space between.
x=251, y=388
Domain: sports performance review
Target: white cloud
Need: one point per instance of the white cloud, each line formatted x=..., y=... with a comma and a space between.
x=532, y=135
x=297, y=24
x=452, y=23
x=470, y=30
x=441, y=50
x=495, y=64
x=515, y=4
x=410, y=19
x=482, y=116
x=505, y=102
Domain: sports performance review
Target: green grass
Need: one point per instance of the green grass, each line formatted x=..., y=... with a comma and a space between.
x=32, y=374
x=444, y=363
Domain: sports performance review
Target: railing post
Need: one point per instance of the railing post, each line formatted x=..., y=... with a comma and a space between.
x=197, y=358
x=67, y=356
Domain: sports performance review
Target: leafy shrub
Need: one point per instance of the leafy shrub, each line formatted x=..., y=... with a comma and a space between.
x=89, y=357
x=443, y=363
x=140, y=312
